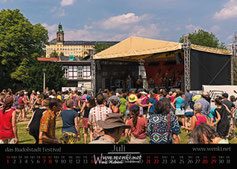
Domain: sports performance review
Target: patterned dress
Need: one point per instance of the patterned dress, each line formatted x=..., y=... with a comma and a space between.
x=47, y=125
x=157, y=128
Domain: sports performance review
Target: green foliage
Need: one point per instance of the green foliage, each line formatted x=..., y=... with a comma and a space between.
x=100, y=47
x=61, y=54
x=53, y=77
x=20, y=43
x=54, y=54
x=204, y=38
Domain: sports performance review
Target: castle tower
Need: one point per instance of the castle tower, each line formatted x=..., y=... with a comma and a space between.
x=60, y=33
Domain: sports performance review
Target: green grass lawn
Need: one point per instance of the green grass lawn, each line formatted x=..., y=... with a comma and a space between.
x=26, y=138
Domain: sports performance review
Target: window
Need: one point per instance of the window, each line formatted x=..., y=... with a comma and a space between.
x=86, y=72
x=72, y=71
x=77, y=72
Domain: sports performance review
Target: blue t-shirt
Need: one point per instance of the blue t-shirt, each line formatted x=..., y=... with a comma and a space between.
x=212, y=113
x=152, y=108
x=68, y=117
x=179, y=102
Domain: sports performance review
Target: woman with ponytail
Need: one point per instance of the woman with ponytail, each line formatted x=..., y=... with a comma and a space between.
x=138, y=127
x=8, y=129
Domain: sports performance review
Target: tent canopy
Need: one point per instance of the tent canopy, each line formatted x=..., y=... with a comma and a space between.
x=136, y=48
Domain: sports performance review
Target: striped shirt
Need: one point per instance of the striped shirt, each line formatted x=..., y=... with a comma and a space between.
x=98, y=113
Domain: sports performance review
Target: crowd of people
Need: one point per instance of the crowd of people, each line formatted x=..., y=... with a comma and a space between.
x=144, y=117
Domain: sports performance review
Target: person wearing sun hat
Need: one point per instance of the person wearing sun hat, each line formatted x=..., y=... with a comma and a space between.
x=113, y=127
x=132, y=98
x=132, y=101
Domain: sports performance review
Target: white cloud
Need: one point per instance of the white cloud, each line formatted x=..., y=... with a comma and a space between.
x=229, y=11
x=67, y=2
x=192, y=27
x=123, y=21
x=3, y=1
x=114, y=28
x=148, y=31
x=52, y=29
x=58, y=11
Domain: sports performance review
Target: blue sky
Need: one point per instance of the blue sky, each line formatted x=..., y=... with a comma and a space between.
x=120, y=19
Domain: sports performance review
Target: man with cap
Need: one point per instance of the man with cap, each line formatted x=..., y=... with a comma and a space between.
x=113, y=127
x=206, y=108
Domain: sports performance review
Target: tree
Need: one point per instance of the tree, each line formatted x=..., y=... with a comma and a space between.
x=61, y=54
x=204, y=38
x=101, y=46
x=54, y=54
x=54, y=76
x=20, y=43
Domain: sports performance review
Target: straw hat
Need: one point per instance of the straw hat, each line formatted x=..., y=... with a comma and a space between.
x=132, y=98
x=112, y=120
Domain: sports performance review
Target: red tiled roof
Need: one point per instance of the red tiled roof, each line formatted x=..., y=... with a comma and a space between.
x=47, y=59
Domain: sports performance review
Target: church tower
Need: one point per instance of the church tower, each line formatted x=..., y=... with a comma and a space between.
x=60, y=33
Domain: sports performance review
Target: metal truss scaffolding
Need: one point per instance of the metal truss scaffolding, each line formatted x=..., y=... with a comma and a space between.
x=234, y=55
x=187, y=48
x=93, y=73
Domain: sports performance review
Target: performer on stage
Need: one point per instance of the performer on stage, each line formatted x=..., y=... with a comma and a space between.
x=151, y=83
